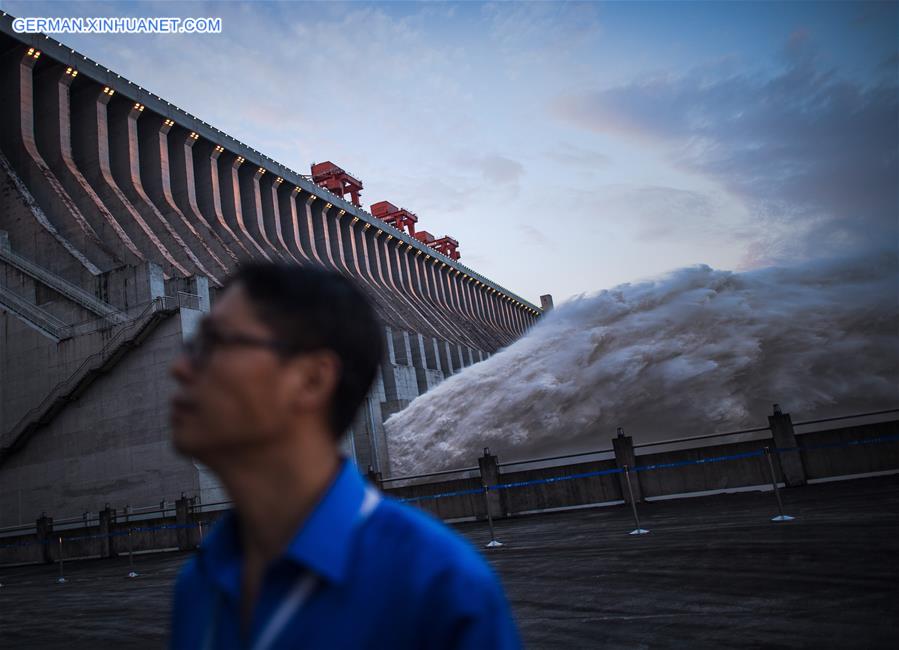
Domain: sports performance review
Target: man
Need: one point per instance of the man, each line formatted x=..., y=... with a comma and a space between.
x=310, y=557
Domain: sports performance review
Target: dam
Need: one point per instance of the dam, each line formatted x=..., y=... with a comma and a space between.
x=120, y=217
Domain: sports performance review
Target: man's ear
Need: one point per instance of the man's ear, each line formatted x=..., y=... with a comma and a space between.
x=314, y=378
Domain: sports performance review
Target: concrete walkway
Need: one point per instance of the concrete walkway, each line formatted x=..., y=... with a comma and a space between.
x=714, y=572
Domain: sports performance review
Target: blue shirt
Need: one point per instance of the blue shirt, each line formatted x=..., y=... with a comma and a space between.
x=363, y=571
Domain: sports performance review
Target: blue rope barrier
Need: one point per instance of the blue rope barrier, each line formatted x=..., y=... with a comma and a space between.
x=555, y=479
x=19, y=544
x=427, y=497
x=114, y=533
x=699, y=461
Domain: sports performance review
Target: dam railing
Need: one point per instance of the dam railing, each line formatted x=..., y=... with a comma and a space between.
x=485, y=493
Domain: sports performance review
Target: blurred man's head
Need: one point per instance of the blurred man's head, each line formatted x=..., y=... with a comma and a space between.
x=286, y=351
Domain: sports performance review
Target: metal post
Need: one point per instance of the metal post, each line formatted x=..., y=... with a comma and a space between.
x=493, y=543
x=630, y=489
x=132, y=573
x=61, y=579
x=194, y=515
x=780, y=505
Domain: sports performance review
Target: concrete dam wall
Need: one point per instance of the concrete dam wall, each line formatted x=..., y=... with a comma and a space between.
x=120, y=217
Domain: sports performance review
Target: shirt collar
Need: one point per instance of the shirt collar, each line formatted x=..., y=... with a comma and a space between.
x=322, y=543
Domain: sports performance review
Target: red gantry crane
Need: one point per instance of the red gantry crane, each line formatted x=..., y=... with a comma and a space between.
x=399, y=218
x=446, y=244
x=337, y=181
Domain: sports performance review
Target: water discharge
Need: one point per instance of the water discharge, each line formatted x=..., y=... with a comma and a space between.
x=696, y=351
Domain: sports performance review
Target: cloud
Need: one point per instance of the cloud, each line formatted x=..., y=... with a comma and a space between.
x=811, y=153
x=537, y=30
x=664, y=213
x=536, y=238
x=499, y=170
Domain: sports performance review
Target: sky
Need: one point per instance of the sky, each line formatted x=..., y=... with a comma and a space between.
x=568, y=147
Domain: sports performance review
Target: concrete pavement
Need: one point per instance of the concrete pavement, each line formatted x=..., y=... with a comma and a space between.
x=714, y=572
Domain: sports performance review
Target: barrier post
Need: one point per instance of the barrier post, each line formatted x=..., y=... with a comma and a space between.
x=791, y=465
x=493, y=543
x=780, y=505
x=183, y=509
x=624, y=456
x=489, y=469
x=375, y=478
x=44, y=528
x=131, y=573
x=196, y=516
x=627, y=479
x=107, y=524
x=61, y=579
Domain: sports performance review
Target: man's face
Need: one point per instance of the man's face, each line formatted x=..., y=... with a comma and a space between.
x=235, y=394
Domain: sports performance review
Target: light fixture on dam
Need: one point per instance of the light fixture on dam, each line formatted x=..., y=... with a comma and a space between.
x=261, y=171
x=169, y=122
x=193, y=136
x=108, y=91
x=240, y=159
x=72, y=72
x=33, y=53
x=139, y=107
x=219, y=148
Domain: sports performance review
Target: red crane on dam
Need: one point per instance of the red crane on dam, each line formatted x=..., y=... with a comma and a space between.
x=399, y=218
x=337, y=181
x=446, y=244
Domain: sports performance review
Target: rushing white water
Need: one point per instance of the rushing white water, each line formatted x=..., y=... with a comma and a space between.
x=696, y=351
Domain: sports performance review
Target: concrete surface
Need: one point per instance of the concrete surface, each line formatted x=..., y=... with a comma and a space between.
x=714, y=572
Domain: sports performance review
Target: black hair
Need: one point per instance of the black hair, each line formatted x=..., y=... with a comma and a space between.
x=309, y=308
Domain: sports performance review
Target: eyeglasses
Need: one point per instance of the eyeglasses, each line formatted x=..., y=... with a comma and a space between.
x=199, y=348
